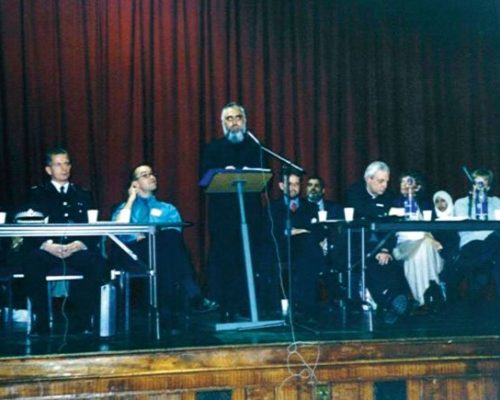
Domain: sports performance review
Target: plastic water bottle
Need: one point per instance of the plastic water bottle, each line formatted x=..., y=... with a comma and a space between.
x=107, y=326
x=410, y=204
x=481, y=203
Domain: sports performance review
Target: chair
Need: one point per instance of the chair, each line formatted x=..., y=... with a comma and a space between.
x=53, y=278
x=7, y=279
x=59, y=274
x=124, y=278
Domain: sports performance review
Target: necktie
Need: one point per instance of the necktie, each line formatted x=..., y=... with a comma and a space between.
x=61, y=189
x=293, y=206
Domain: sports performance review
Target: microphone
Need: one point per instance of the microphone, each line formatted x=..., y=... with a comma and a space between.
x=251, y=136
x=467, y=174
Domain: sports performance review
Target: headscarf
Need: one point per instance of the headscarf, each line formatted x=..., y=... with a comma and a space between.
x=449, y=201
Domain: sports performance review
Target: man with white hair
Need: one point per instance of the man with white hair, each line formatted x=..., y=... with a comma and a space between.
x=370, y=197
x=384, y=276
x=225, y=269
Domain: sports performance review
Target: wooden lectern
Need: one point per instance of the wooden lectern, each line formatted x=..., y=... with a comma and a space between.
x=239, y=181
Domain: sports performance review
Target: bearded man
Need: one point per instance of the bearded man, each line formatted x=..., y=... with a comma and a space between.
x=226, y=269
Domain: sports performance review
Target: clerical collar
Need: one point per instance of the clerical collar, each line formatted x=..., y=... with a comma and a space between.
x=373, y=196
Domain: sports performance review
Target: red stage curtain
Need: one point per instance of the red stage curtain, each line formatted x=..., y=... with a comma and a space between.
x=332, y=85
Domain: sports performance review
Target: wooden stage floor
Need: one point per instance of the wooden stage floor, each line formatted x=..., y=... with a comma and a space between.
x=339, y=355
x=458, y=320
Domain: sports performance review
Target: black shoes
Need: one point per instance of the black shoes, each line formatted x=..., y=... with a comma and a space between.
x=202, y=305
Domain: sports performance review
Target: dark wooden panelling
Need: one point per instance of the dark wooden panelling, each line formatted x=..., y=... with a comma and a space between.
x=460, y=368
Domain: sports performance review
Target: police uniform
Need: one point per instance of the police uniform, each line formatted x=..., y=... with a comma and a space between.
x=69, y=207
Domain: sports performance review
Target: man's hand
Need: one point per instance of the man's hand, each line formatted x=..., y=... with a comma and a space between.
x=132, y=192
x=57, y=250
x=299, y=231
x=64, y=250
x=383, y=258
x=73, y=248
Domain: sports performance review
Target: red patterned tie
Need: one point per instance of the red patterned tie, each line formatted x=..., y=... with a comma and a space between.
x=293, y=206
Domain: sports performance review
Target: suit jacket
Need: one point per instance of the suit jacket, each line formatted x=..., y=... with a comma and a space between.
x=365, y=206
x=70, y=207
x=334, y=210
x=302, y=244
x=336, y=239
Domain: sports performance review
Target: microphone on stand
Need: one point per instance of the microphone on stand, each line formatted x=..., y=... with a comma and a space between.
x=252, y=136
x=467, y=174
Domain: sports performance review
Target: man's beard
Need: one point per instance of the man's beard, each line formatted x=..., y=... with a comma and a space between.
x=235, y=136
x=314, y=197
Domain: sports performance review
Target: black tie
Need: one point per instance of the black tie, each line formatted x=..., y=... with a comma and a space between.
x=61, y=189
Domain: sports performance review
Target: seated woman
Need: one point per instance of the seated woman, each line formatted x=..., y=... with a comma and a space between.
x=418, y=250
x=444, y=210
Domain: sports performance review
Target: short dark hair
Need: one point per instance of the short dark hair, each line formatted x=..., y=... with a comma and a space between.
x=55, y=151
x=317, y=178
x=419, y=180
x=132, y=176
x=291, y=171
x=487, y=173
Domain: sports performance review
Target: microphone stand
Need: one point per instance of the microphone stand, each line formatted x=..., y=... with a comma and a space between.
x=287, y=168
x=471, y=193
x=285, y=161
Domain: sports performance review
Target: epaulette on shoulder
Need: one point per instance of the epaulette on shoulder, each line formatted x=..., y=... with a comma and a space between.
x=78, y=187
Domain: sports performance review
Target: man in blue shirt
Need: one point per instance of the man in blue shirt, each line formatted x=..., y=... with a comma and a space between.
x=174, y=267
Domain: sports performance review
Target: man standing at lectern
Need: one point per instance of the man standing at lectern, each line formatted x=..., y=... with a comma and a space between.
x=226, y=268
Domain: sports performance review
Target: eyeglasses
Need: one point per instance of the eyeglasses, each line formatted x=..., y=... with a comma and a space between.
x=147, y=175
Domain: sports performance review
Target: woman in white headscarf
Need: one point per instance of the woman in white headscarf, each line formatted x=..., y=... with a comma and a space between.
x=443, y=204
x=444, y=210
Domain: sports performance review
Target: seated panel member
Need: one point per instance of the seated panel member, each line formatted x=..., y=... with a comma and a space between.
x=62, y=202
x=384, y=276
x=479, y=250
x=444, y=210
x=306, y=253
x=315, y=192
x=419, y=251
x=174, y=267
x=332, y=242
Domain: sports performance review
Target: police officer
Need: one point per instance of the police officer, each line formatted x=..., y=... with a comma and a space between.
x=62, y=202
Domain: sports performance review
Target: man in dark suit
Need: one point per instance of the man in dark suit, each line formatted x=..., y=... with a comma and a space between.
x=291, y=220
x=332, y=241
x=315, y=192
x=384, y=277
x=62, y=202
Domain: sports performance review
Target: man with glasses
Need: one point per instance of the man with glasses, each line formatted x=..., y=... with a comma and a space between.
x=62, y=202
x=225, y=269
x=479, y=250
x=174, y=267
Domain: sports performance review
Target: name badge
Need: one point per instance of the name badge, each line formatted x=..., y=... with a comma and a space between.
x=155, y=212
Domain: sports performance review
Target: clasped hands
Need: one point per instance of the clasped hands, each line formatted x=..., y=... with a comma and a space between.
x=64, y=250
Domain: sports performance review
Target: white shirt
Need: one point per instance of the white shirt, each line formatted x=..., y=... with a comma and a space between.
x=462, y=210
